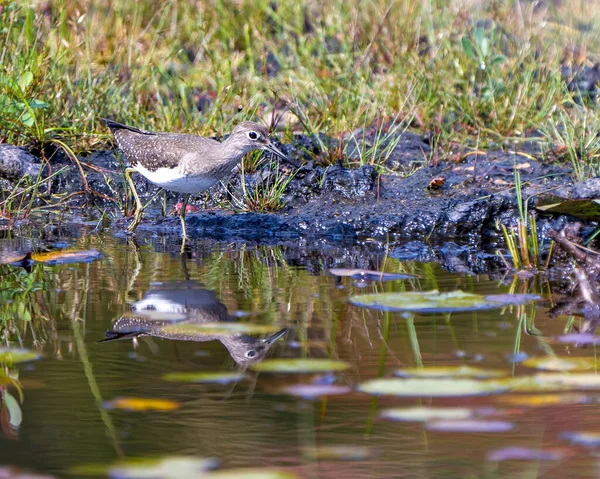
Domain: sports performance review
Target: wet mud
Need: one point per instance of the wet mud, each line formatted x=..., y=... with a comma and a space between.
x=408, y=203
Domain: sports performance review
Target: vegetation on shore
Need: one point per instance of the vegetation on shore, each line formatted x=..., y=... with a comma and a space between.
x=462, y=71
x=467, y=74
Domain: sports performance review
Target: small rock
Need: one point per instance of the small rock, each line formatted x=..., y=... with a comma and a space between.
x=16, y=162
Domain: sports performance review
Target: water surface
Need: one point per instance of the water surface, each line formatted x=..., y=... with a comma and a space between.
x=63, y=311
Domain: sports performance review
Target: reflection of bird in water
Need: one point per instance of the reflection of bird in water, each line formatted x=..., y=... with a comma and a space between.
x=187, y=303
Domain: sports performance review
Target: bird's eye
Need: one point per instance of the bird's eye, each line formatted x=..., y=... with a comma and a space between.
x=252, y=135
x=251, y=353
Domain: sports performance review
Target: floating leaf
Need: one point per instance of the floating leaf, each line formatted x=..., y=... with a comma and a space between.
x=315, y=390
x=217, y=329
x=176, y=467
x=337, y=453
x=469, y=425
x=300, y=365
x=11, y=356
x=172, y=467
x=142, y=404
x=250, y=474
x=590, y=439
x=540, y=400
x=14, y=410
x=204, y=377
x=423, y=387
x=366, y=274
x=523, y=454
x=436, y=302
x=449, y=371
x=579, y=338
x=423, y=414
x=551, y=363
x=67, y=256
x=570, y=381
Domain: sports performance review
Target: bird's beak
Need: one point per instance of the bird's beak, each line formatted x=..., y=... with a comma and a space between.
x=270, y=147
x=271, y=339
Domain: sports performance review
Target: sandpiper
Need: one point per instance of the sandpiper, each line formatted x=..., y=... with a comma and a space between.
x=187, y=164
x=171, y=310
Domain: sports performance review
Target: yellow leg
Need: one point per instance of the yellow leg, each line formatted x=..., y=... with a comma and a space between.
x=184, y=203
x=139, y=208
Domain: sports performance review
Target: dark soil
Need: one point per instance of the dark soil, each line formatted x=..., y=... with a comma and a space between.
x=406, y=205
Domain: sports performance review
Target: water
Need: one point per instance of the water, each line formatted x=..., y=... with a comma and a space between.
x=251, y=423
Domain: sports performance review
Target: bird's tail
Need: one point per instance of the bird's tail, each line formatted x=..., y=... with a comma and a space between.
x=113, y=125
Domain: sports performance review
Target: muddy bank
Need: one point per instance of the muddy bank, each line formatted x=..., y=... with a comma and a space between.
x=406, y=198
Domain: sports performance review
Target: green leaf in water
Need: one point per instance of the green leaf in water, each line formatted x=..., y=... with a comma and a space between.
x=11, y=356
x=203, y=377
x=436, y=302
x=174, y=467
x=449, y=371
x=300, y=365
x=551, y=363
x=469, y=425
x=250, y=474
x=425, y=387
x=368, y=274
x=423, y=414
x=337, y=453
x=15, y=416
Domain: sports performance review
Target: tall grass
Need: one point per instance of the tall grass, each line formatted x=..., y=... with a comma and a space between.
x=452, y=66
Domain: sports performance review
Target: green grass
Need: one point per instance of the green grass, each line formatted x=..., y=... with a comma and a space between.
x=464, y=74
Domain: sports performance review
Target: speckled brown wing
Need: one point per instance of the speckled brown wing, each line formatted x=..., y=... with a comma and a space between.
x=161, y=150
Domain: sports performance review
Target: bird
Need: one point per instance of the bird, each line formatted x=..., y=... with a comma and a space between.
x=167, y=308
x=185, y=163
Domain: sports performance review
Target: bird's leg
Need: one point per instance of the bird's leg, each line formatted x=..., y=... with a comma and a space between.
x=139, y=208
x=184, y=203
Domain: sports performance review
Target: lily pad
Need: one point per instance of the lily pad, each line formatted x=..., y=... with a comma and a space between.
x=249, y=474
x=590, y=439
x=300, y=365
x=204, y=377
x=217, y=329
x=337, y=453
x=551, y=363
x=523, y=454
x=15, y=416
x=579, y=338
x=469, y=425
x=570, y=381
x=436, y=302
x=541, y=400
x=67, y=256
x=366, y=274
x=142, y=404
x=171, y=467
x=427, y=387
x=449, y=371
x=11, y=356
x=423, y=414
x=316, y=390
